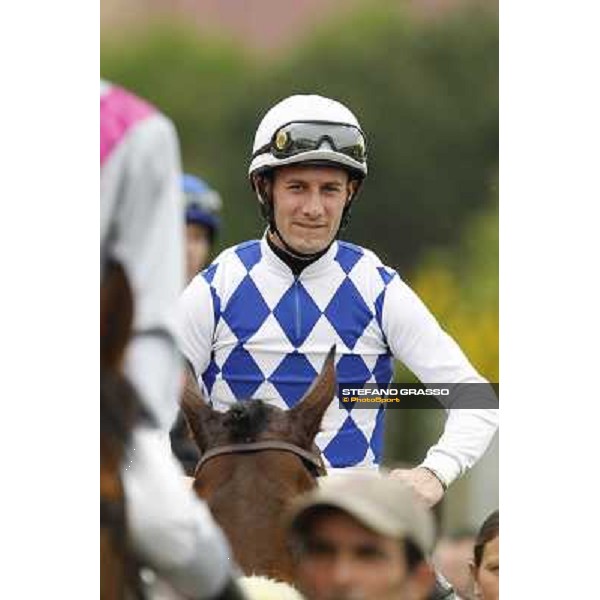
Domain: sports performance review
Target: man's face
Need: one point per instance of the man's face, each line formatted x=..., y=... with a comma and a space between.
x=487, y=577
x=197, y=246
x=342, y=560
x=308, y=204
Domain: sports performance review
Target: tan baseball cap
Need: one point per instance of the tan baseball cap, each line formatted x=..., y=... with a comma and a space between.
x=382, y=504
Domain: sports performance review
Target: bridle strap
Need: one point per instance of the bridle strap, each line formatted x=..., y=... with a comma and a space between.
x=314, y=458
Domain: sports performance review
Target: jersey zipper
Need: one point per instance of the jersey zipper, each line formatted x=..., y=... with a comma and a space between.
x=297, y=306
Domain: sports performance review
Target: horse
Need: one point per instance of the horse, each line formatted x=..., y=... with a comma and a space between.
x=119, y=411
x=254, y=460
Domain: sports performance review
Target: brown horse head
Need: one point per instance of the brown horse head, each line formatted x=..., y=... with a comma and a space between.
x=249, y=491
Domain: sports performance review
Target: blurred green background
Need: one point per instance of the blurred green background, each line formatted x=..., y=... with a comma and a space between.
x=425, y=89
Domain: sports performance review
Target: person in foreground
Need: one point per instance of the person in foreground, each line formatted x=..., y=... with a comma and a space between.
x=486, y=559
x=363, y=537
x=259, y=322
x=169, y=529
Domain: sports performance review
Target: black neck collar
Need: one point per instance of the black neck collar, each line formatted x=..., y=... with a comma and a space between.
x=296, y=264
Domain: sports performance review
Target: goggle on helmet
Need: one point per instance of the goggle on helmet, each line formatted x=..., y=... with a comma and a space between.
x=300, y=137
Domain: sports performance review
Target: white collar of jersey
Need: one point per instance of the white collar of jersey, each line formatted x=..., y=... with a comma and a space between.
x=316, y=268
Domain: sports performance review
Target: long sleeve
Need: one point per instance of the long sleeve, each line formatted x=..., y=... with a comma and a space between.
x=195, y=323
x=416, y=339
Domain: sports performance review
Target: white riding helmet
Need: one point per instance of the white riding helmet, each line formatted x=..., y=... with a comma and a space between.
x=321, y=114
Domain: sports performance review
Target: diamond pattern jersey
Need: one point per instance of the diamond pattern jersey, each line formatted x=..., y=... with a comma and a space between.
x=272, y=332
x=253, y=330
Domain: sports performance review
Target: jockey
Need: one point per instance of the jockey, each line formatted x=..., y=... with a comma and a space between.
x=202, y=225
x=202, y=208
x=259, y=322
x=141, y=229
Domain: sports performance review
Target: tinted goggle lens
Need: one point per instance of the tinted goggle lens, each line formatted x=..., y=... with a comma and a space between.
x=296, y=138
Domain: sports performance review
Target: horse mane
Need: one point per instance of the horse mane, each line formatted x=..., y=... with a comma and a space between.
x=120, y=407
x=245, y=420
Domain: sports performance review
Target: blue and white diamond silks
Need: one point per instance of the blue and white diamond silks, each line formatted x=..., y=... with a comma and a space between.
x=348, y=447
x=348, y=313
x=297, y=313
x=293, y=377
x=272, y=332
x=246, y=310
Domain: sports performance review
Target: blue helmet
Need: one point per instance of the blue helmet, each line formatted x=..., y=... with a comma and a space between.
x=202, y=203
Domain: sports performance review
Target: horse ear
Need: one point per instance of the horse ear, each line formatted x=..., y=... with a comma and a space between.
x=196, y=411
x=308, y=413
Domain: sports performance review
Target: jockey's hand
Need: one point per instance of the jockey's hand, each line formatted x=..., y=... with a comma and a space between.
x=423, y=482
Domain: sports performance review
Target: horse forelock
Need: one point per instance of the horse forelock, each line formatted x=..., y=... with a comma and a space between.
x=246, y=420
